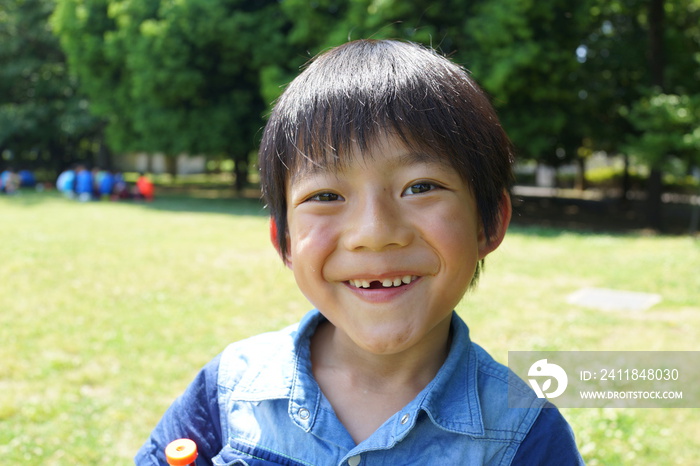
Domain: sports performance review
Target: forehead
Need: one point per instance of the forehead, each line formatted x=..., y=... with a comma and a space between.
x=400, y=154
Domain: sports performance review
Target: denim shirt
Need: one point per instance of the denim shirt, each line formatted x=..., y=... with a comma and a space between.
x=271, y=412
x=272, y=408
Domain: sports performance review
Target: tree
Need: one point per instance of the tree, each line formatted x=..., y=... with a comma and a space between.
x=175, y=77
x=668, y=127
x=521, y=51
x=526, y=58
x=567, y=78
x=44, y=120
x=642, y=78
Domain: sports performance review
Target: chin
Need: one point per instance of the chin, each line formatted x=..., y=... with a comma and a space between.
x=385, y=344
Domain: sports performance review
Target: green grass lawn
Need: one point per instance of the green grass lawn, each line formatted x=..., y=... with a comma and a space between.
x=109, y=309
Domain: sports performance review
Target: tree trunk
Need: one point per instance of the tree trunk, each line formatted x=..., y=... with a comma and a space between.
x=581, y=183
x=656, y=66
x=695, y=205
x=171, y=165
x=104, y=157
x=654, y=205
x=657, y=59
x=59, y=159
x=626, y=181
x=240, y=169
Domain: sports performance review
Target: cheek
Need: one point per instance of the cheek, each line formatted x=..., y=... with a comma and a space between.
x=311, y=242
x=457, y=232
x=455, y=239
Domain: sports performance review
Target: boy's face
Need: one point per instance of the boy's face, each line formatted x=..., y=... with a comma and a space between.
x=386, y=246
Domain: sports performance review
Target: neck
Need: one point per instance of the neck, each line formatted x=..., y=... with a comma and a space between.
x=409, y=370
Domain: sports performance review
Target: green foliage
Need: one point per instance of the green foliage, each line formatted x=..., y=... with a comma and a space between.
x=174, y=77
x=521, y=51
x=198, y=75
x=43, y=116
x=96, y=55
x=613, y=73
x=635, y=115
x=197, y=80
x=667, y=126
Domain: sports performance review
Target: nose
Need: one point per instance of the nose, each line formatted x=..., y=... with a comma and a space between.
x=377, y=223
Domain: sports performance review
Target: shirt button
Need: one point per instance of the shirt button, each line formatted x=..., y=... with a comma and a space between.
x=354, y=460
x=304, y=413
x=404, y=418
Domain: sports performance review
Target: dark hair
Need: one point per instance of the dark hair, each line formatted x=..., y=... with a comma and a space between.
x=350, y=95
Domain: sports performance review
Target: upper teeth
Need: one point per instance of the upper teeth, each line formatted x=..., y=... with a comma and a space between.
x=386, y=282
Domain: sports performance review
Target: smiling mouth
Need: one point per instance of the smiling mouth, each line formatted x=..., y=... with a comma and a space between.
x=383, y=283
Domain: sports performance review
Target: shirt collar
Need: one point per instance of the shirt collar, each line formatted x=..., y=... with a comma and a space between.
x=450, y=400
x=305, y=394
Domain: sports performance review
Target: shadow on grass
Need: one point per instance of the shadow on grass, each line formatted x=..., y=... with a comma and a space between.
x=182, y=203
x=30, y=198
x=216, y=203
x=207, y=199
x=540, y=231
x=545, y=217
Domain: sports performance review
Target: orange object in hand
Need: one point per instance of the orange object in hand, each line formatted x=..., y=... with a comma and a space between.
x=181, y=452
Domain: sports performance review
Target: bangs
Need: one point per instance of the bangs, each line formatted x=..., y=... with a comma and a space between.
x=349, y=99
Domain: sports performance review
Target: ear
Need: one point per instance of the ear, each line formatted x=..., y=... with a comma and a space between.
x=488, y=245
x=274, y=238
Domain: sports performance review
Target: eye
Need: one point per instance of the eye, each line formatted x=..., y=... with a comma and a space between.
x=419, y=188
x=325, y=197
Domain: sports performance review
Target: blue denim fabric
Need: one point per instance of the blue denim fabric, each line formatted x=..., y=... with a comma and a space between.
x=273, y=412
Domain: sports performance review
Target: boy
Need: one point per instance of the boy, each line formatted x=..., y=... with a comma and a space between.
x=386, y=171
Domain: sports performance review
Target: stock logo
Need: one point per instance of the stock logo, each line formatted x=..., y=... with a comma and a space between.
x=542, y=368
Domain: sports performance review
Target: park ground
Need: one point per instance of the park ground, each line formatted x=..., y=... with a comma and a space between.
x=110, y=308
